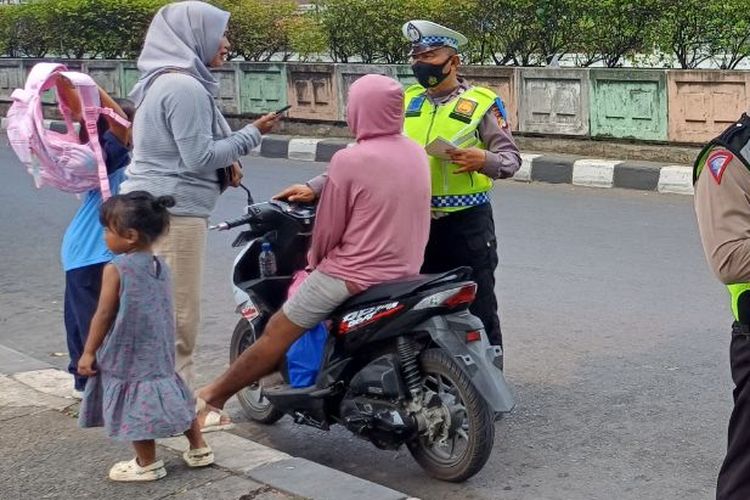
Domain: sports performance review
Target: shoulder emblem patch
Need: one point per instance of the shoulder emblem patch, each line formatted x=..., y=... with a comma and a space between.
x=415, y=106
x=717, y=163
x=465, y=107
x=498, y=109
x=464, y=110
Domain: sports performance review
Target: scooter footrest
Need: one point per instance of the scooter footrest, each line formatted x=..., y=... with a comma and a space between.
x=289, y=391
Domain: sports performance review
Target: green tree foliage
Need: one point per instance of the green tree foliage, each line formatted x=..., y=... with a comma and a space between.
x=684, y=29
x=307, y=38
x=627, y=29
x=256, y=27
x=732, y=43
x=502, y=32
x=31, y=29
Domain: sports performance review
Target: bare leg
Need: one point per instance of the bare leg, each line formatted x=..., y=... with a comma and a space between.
x=259, y=360
x=195, y=436
x=145, y=451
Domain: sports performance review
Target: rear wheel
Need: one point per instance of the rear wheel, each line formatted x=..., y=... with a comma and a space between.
x=461, y=442
x=255, y=405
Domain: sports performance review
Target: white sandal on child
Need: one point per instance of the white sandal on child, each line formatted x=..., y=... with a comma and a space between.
x=130, y=471
x=199, y=457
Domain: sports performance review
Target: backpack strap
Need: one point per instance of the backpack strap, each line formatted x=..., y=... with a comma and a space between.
x=91, y=110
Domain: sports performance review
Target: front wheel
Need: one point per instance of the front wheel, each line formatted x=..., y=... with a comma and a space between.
x=461, y=443
x=255, y=405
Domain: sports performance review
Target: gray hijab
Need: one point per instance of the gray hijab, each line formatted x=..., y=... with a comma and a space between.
x=184, y=37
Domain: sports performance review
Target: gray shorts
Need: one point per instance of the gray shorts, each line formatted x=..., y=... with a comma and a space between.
x=317, y=297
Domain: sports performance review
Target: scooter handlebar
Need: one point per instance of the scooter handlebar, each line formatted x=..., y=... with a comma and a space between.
x=230, y=224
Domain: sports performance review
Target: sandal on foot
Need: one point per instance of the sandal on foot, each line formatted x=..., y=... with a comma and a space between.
x=130, y=471
x=212, y=422
x=199, y=457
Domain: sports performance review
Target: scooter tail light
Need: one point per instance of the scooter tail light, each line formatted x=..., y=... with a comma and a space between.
x=465, y=295
x=451, y=299
x=473, y=336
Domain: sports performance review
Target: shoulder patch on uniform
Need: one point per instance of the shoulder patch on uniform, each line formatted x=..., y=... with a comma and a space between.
x=498, y=109
x=414, y=108
x=464, y=109
x=717, y=163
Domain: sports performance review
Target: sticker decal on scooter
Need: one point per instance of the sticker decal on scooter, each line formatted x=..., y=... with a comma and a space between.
x=364, y=317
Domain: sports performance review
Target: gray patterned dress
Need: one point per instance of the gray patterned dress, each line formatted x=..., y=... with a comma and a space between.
x=136, y=394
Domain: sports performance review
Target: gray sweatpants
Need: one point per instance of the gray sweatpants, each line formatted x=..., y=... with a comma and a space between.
x=317, y=297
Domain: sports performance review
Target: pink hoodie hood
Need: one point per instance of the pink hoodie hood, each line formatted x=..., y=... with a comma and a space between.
x=375, y=107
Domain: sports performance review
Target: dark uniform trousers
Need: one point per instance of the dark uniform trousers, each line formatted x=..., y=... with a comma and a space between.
x=467, y=238
x=734, y=476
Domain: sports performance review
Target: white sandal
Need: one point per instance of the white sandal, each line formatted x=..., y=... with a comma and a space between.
x=212, y=422
x=130, y=471
x=199, y=457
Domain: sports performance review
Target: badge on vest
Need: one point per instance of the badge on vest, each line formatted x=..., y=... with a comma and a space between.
x=464, y=110
x=415, y=106
x=717, y=163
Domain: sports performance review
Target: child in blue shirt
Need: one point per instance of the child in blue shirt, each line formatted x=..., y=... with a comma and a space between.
x=84, y=252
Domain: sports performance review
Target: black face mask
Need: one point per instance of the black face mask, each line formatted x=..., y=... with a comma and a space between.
x=430, y=75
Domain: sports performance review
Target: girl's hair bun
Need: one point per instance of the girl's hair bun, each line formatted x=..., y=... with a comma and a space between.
x=165, y=201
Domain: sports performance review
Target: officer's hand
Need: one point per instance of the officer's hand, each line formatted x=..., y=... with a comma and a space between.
x=468, y=160
x=298, y=193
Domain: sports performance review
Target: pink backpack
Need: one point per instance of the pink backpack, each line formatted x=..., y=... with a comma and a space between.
x=52, y=158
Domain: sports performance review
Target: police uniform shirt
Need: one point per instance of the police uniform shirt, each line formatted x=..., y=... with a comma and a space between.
x=722, y=207
x=503, y=158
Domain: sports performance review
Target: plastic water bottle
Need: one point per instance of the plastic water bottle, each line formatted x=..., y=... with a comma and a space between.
x=267, y=261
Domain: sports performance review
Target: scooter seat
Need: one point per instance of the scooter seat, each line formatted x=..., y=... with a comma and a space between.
x=391, y=290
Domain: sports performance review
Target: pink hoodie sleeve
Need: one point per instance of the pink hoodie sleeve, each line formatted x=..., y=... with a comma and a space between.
x=332, y=216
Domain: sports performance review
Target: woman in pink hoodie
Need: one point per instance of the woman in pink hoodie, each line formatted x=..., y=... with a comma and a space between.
x=372, y=226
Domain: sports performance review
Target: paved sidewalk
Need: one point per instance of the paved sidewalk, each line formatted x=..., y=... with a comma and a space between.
x=46, y=455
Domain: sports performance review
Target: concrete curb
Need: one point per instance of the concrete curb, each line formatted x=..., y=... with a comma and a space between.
x=50, y=388
x=556, y=169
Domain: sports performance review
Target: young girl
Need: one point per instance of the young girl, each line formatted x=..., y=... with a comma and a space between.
x=134, y=390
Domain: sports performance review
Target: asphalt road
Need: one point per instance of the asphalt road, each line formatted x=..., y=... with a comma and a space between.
x=616, y=339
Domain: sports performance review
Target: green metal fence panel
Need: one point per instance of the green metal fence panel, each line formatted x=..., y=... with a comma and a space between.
x=629, y=104
x=12, y=77
x=404, y=74
x=129, y=78
x=262, y=87
x=108, y=74
x=347, y=74
x=553, y=101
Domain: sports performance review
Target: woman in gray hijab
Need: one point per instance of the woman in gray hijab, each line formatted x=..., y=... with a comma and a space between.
x=183, y=146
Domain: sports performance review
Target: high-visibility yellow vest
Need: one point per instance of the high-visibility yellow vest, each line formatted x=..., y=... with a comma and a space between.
x=458, y=122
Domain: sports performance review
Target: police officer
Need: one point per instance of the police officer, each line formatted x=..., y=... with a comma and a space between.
x=722, y=206
x=443, y=105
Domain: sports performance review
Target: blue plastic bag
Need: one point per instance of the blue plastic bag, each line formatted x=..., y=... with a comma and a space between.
x=304, y=356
